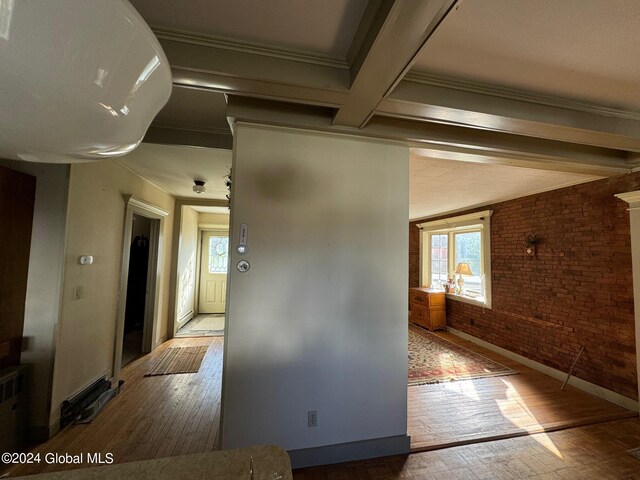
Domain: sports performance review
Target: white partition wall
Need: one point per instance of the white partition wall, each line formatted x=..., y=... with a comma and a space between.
x=633, y=199
x=319, y=321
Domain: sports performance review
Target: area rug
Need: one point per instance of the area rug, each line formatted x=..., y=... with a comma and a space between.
x=433, y=359
x=178, y=360
x=210, y=322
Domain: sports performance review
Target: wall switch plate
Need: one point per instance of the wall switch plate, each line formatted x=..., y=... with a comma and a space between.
x=86, y=259
x=312, y=418
x=77, y=293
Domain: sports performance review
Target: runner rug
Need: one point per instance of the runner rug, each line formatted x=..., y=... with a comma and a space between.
x=432, y=359
x=178, y=360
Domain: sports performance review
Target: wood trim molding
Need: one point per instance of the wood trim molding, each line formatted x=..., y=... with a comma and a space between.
x=426, y=78
x=191, y=38
x=149, y=208
x=632, y=198
x=458, y=221
x=481, y=111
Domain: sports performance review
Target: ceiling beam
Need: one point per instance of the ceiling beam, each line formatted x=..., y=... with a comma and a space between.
x=227, y=67
x=510, y=111
x=396, y=37
x=441, y=141
x=164, y=134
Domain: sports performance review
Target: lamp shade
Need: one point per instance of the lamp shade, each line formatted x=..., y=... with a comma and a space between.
x=463, y=269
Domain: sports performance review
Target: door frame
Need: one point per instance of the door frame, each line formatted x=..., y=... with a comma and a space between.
x=134, y=205
x=201, y=232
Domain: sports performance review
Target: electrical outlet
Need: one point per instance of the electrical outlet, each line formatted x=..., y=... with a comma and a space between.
x=77, y=293
x=312, y=418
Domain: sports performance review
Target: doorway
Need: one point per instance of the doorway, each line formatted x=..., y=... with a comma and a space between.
x=213, y=272
x=137, y=291
x=138, y=296
x=212, y=285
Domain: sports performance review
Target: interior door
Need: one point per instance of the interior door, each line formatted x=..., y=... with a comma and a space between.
x=213, y=272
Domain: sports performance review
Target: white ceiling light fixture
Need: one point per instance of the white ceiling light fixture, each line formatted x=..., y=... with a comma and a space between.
x=92, y=99
x=198, y=186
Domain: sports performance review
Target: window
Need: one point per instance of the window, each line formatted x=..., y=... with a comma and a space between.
x=439, y=259
x=449, y=242
x=218, y=254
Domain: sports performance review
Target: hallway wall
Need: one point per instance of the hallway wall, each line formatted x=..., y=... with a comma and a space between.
x=86, y=336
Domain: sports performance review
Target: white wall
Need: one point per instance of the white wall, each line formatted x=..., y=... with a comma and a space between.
x=319, y=321
x=213, y=220
x=187, y=268
x=86, y=335
x=44, y=283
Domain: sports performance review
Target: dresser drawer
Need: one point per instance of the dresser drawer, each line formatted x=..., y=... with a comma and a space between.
x=419, y=298
x=420, y=315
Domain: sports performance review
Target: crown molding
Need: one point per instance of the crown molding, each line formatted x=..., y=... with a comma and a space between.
x=249, y=47
x=518, y=94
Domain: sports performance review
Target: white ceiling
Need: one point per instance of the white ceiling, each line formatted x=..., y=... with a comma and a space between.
x=441, y=186
x=323, y=27
x=173, y=168
x=582, y=49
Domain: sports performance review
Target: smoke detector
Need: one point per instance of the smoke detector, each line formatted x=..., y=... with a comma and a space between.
x=198, y=186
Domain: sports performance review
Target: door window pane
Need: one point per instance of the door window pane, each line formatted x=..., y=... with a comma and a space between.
x=218, y=254
x=468, y=249
x=439, y=259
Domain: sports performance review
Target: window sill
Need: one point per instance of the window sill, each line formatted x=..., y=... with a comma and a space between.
x=478, y=301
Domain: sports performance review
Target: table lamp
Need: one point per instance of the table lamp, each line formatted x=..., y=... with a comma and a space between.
x=462, y=269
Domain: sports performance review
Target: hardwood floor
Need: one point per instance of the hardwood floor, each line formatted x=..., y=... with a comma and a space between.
x=152, y=417
x=455, y=413
x=171, y=415
x=595, y=452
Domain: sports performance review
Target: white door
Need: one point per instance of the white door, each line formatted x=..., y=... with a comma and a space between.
x=213, y=272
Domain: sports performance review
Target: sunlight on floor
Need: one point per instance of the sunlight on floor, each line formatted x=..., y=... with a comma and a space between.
x=528, y=423
x=465, y=388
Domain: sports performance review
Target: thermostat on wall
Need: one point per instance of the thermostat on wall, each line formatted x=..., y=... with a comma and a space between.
x=86, y=260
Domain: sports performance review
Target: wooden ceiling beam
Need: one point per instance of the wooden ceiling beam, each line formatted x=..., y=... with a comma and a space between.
x=395, y=40
x=514, y=112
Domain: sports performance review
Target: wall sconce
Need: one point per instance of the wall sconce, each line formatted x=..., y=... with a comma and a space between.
x=530, y=242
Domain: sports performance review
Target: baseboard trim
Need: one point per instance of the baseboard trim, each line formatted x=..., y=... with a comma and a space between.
x=346, y=452
x=592, y=388
x=185, y=317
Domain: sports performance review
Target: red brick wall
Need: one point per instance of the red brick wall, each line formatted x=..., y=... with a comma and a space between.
x=576, y=291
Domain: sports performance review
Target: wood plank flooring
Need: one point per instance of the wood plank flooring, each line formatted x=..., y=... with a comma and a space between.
x=595, y=452
x=152, y=417
x=455, y=413
x=179, y=414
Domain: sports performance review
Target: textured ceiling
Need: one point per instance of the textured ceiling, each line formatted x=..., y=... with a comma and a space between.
x=583, y=49
x=440, y=186
x=322, y=27
x=173, y=168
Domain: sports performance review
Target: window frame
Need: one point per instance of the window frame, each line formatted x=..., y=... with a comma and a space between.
x=475, y=222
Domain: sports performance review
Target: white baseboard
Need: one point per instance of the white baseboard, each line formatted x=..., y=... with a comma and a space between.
x=583, y=385
x=185, y=317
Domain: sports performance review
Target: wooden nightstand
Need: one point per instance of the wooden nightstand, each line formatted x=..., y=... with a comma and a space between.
x=428, y=308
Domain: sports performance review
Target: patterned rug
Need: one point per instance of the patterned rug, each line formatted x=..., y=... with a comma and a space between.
x=433, y=359
x=178, y=360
